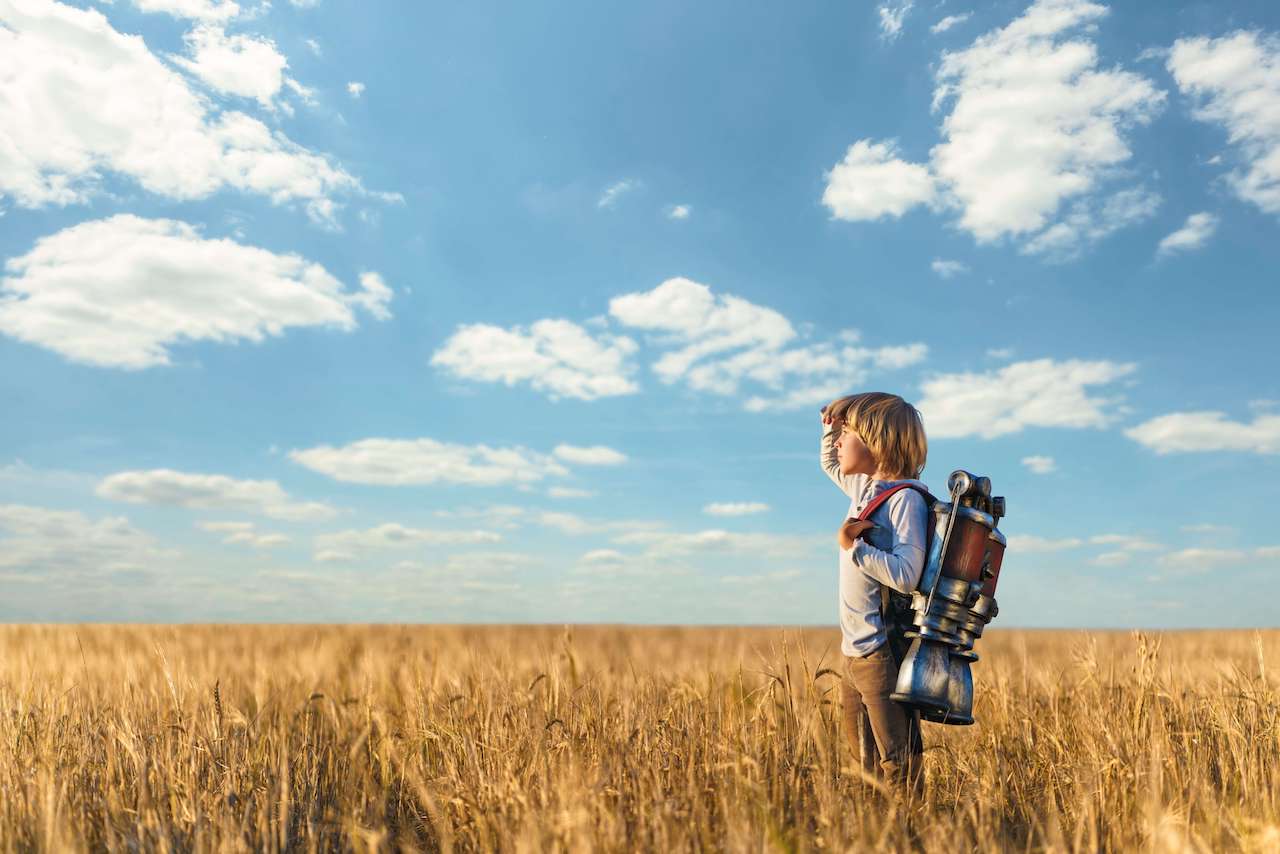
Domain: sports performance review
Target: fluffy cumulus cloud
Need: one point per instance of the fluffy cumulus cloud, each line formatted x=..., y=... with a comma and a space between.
x=555, y=356
x=716, y=342
x=244, y=533
x=82, y=101
x=41, y=544
x=355, y=89
x=1039, y=393
x=1031, y=148
x=1189, y=432
x=120, y=292
x=735, y=508
x=1234, y=82
x=245, y=65
x=873, y=182
x=200, y=10
x=212, y=492
x=412, y=462
x=1034, y=121
x=679, y=212
x=1194, y=234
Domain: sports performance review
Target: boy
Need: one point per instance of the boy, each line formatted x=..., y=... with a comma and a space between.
x=870, y=442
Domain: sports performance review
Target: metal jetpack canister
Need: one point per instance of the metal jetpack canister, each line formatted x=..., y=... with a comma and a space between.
x=953, y=602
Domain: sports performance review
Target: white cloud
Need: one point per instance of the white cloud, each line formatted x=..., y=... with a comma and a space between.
x=873, y=182
x=1234, y=81
x=556, y=356
x=1195, y=233
x=1040, y=465
x=1040, y=393
x=243, y=533
x=615, y=191
x=120, y=292
x=314, y=47
x=892, y=14
x=679, y=212
x=735, y=508
x=715, y=343
x=948, y=269
x=1202, y=559
x=569, y=492
x=571, y=523
x=1031, y=544
x=593, y=455
x=666, y=544
x=1209, y=528
x=43, y=543
x=568, y=523
x=602, y=556
x=1034, y=125
x=210, y=491
x=1089, y=221
x=412, y=462
x=200, y=10
x=1034, y=121
x=494, y=515
x=1000, y=352
x=245, y=65
x=1126, y=542
x=1189, y=432
x=351, y=544
x=949, y=22
x=355, y=89
x=763, y=578
x=81, y=99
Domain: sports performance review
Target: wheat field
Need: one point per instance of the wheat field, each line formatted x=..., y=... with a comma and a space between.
x=378, y=738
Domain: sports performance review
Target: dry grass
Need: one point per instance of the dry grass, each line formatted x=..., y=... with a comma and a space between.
x=352, y=738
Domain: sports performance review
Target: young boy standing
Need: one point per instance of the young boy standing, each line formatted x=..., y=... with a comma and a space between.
x=870, y=442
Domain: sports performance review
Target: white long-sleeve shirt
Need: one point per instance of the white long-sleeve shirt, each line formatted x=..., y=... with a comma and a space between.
x=891, y=553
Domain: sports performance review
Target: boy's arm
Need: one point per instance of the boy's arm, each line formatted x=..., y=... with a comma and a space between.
x=900, y=568
x=830, y=462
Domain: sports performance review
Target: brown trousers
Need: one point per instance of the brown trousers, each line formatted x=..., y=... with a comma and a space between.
x=884, y=734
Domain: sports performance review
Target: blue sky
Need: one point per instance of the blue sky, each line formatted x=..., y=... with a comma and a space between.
x=472, y=313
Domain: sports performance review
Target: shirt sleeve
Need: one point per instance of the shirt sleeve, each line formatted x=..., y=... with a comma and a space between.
x=901, y=567
x=850, y=484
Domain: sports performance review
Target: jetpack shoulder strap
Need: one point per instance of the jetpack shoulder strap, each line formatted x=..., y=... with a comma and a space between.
x=874, y=504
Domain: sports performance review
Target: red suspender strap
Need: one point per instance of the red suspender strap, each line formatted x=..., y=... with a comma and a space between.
x=875, y=503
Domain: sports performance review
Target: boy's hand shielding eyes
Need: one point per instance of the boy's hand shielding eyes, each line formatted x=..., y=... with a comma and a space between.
x=851, y=530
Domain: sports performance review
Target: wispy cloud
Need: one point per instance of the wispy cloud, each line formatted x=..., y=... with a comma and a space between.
x=892, y=14
x=1194, y=234
x=615, y=191
x=948, y=269
x=950, y=21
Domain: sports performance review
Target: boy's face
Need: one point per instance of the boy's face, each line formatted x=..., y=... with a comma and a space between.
x=853, y=454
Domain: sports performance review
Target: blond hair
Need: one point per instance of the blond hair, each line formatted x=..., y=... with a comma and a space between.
x=891, y=428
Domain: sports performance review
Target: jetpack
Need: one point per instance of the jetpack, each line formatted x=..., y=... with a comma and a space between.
x=935, y=627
